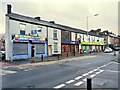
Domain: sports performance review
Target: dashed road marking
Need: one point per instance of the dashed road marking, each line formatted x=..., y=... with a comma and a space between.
x=79, y=83
x=85, y=79
x=79, y=77
x=90, y=72
x=70, y=81
x=95, y=70
x=97, y=73
x=98, y=67
x=101, y=70
x=92, y=76
x=59, y=86
x=85, y=74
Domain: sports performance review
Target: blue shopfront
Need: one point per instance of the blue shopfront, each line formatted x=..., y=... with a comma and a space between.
x=28, y=46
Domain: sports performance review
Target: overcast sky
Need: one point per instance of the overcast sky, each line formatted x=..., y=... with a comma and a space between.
x=67, y=12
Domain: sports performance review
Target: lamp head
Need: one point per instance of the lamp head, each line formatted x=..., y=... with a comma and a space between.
x=96, y=14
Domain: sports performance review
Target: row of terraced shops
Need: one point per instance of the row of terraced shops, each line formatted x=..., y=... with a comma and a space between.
x=28, y=37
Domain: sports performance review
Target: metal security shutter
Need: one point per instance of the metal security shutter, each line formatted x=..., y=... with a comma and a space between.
x=40, y=48
x=20, y=48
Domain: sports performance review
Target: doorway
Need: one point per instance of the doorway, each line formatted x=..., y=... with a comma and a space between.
x=50, y=50
x=32, y=51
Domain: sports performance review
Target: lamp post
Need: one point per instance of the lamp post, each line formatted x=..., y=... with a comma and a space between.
x=87, y=21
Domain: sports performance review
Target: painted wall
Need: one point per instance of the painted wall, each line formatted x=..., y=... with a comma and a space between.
x=72, y=36
x=51, y=40
x=14, y=27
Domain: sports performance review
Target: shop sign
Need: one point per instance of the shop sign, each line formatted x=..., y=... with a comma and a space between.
x=26, y=38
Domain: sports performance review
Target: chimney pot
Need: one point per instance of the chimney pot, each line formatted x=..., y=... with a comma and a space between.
x=53, y=22
x=9, y=9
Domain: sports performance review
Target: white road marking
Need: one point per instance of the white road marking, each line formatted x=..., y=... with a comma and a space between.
x=90, y=72
x=70, y=81
x=101, y=70
x=102, y=66
x=97, y=73
x=112, y=71
x=112, y=62
x=79, y=77
x=85, y=79
x=85, y=74
x=59, y=86
x=3, y=72
x=26, y=70
x=105, y=65
x=93, y=75
x=79, y=83
x=95, y=70
x=98, y=68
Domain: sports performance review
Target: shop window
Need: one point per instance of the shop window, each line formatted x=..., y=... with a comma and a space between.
x=55, y=47
x=55, y=34
x=20, y=48
x=40, y=48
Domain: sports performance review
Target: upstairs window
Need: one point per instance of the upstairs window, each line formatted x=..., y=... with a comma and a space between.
x=55, y=34
x=76, y=37
x=55, y=47
x=22, y=32
x=22, y=28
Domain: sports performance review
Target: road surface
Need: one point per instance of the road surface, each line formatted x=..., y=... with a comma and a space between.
x=101, y=68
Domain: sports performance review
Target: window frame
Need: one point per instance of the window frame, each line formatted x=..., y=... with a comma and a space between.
x=55, y=34
x=55, y=47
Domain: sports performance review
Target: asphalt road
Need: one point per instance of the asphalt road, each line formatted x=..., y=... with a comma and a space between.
x=101, y=69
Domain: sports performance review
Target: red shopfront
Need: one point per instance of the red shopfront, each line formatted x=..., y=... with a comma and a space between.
x=70, y=48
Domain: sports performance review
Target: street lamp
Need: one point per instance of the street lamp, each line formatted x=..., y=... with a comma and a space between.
x=87, y=21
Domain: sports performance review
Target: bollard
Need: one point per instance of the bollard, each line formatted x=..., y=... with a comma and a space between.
x=74, y=53
x=41, y=57
x=58, y=56
x=114, y=53
x=67, y=54
x=89, y=84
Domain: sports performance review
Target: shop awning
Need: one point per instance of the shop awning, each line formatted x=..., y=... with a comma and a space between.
x=92, y=43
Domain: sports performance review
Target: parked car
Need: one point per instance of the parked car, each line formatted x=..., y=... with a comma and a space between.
x=2, y=55
x=117, y=48
x=108, y=50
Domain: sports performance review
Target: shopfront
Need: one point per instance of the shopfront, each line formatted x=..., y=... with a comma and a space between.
x=28, y=46
x=94, y=47
x=70, y=47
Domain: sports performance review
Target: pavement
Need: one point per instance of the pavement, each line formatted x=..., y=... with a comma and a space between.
x=67, y=73
x=25, y=64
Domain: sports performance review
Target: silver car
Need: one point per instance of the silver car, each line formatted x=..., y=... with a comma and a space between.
x=108, y=50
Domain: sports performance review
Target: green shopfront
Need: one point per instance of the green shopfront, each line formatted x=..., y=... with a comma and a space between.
x=92, y=47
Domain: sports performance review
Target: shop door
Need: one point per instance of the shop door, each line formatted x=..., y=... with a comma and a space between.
x=32, y=51
x=50, y=50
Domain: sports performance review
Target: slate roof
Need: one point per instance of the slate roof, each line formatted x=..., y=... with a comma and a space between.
x=32, y=20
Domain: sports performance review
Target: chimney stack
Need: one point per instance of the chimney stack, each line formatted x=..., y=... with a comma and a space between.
x=9, y=9
x=53, y=22
x=38, y=18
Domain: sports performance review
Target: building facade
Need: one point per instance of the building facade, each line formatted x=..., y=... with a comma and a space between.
x=54, y=41
x=24, y=40
x=28, y=37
